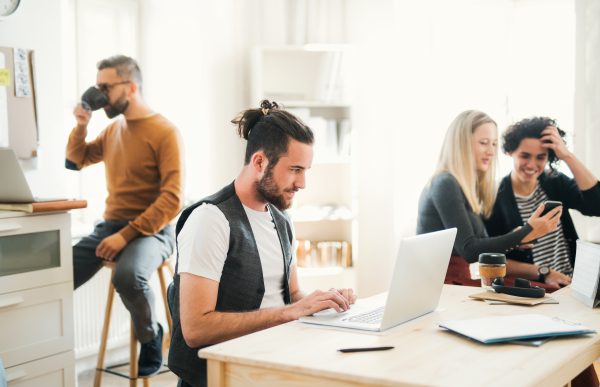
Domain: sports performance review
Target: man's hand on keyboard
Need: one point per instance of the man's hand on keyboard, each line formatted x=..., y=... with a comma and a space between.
x=348, y=294
x=320, y=300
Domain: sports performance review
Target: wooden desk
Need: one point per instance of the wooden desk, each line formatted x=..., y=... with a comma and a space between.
x=425, y=355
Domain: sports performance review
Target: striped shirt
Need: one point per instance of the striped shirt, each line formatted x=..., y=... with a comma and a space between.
x=551, y=250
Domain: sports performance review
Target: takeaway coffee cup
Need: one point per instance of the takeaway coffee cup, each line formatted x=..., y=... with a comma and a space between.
x=491, y=266
x=93, y=99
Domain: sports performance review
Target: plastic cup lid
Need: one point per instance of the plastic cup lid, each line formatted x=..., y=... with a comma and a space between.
x=492, y=258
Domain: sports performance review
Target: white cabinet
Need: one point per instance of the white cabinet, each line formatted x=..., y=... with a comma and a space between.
x=53, y=371
x=35, y=251
x=36, y=299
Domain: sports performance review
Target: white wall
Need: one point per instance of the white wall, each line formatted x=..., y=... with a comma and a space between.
x=37, y=26
x=371, y=30
x=587, y=97
x=194, y=68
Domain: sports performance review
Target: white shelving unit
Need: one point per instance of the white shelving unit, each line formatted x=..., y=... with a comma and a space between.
x=314, y=82
x=36, y=299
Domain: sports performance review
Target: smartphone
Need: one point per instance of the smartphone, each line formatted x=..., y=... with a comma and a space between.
x=549, y=205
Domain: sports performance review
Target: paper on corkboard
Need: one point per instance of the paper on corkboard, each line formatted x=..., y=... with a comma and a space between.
x=22, y=119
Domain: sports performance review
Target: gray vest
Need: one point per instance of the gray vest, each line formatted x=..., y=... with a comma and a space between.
x=241, y=288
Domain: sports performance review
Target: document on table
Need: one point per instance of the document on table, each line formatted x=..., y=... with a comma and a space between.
x=586, y=273
x=506, y=328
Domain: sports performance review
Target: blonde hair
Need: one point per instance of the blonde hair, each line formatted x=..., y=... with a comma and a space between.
x=457, y=158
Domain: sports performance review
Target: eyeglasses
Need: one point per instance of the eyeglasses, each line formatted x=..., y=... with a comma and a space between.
x=105, y=87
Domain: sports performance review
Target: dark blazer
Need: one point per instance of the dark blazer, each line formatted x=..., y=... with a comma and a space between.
x=506, y=216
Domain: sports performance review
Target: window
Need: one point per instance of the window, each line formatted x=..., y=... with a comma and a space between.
x=103, y=28
x=512, y=59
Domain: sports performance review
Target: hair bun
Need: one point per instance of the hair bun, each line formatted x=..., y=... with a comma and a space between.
x=265, y=106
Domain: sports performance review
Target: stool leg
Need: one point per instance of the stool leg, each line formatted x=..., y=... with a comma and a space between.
x=171, y=269
x=146, y=382
x=104, y=338
x=163, y=286
x=133, y=361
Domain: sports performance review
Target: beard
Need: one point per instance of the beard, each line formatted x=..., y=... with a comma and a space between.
x=119, y=107
x=267, y=191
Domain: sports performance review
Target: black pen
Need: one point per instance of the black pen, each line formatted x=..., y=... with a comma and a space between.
x=364, y=349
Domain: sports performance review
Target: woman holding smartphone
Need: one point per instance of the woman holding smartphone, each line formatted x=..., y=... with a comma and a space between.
x=534, y=144
x=462, y=191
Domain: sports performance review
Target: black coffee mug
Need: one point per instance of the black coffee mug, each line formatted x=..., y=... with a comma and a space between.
x=93, y=99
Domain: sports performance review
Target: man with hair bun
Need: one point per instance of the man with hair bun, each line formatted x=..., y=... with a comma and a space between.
x=143, y=156
x=236, y=269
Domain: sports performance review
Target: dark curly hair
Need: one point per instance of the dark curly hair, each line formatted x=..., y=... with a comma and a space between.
x=269, y=129
x=530, y=128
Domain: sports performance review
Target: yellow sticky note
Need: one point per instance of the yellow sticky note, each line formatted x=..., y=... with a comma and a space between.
x=4, y=77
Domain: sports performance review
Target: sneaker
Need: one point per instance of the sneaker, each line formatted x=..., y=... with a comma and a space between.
x=151, y=358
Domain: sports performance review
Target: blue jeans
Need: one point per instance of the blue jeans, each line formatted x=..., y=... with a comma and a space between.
x=135, y=265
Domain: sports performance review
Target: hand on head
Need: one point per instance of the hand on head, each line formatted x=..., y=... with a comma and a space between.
x=551, y=139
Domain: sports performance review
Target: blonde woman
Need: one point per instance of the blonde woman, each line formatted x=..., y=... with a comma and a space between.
x=462, y=192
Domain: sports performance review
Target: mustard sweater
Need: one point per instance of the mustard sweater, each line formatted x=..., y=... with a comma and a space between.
x=145, y=171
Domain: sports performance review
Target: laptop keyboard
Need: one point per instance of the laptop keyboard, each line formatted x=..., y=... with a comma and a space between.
x=370, y=317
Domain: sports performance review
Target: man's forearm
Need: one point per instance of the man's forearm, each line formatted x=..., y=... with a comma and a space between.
x=154, y=218
x=584, y=178
x=216, y=327
x=297, y=296
x=521, y=270
x=76, y=145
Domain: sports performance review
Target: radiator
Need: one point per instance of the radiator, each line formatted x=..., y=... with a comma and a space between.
x=90, y=306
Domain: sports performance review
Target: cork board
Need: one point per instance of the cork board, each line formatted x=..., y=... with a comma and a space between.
x=22, y=118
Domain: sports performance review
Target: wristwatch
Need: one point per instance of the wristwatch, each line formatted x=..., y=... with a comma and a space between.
x=543, y=272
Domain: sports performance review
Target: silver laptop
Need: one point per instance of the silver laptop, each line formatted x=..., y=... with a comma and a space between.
x=14, y=187
x=415, y=290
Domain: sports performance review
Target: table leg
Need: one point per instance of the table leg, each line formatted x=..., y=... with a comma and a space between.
x=216, y=373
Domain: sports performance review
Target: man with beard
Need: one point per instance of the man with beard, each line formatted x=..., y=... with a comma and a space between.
x=236, y=269
x=144, y=162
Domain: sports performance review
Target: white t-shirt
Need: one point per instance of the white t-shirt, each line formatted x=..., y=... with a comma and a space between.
x=204, y=240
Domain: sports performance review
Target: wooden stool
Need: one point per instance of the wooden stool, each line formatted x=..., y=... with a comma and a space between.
x=133, y=360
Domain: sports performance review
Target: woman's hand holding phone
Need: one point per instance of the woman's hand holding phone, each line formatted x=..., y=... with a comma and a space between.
x=549, y=205
x=542, y=225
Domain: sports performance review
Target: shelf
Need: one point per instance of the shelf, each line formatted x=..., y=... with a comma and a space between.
x=333, y=160
x=319, y=219
x=314, y=104
x=316, y=214
x=306, y=47
x=316, y=83
x=321, y=271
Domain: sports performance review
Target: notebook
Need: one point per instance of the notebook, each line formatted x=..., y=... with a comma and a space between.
x=506, y=328
x=586, y=273
x=509, y=298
